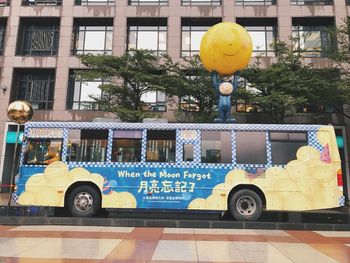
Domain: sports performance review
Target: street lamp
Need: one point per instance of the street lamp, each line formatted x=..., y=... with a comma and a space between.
x=20, y=112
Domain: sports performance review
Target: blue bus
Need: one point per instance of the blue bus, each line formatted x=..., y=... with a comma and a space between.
x=240, y=168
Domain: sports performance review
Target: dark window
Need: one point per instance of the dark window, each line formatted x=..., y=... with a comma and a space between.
x=36, y=86
x=41, y=2
x=188, y=152
x=38, y=37
x=312, y=2
x=201, y=2
x=263, y=32
x=161, y=146
x=94, y=2
x=83, y=94
x=216, y=147
x=192, y=31
x=148, y=2
x=255, y=2
x=87, y=145
x=312, y=36
x=148, y=34
x=43, y=151
x=92, y=37
x=126, y=146
x=284, y=145
x=2, y=35
x=4, y=3
x=251, y=147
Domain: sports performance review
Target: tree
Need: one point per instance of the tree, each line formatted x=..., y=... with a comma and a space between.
x=131, y=75
x=289, y=84
x=189, y=82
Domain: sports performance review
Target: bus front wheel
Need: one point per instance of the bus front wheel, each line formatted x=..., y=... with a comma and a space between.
x=246, y=205
x=84, y=201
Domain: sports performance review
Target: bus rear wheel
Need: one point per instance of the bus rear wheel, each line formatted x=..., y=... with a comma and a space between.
x=84, y=201
x=246, y=205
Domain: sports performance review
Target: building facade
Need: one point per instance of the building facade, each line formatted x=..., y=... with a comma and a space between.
x=40, y=41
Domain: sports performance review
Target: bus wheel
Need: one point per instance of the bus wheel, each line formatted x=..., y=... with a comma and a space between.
x=84, y=201
x=245, y=205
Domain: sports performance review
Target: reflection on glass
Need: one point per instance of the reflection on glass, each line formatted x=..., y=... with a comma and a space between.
x=188, y=152
x=160, y=146
x=191, y=39
x=126, y=146
x=251, y=147
x=263, y=37
x=43, y=151
x=216, y=147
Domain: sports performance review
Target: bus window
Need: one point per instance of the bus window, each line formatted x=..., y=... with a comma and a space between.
x=188, y=152
x=161, y=146
x=87, y=145
x=126, y=146
x=216, y=147
x=43, y=151
x=284, y=145
x=251, y=147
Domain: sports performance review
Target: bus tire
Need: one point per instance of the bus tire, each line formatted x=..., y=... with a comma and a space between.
x=84, y=201
x=246, y=205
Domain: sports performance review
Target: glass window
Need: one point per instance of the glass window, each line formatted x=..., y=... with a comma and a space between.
x=34, y=86
x=94, y=2
x=161, y=146
x=216, y=147
x=263, y=37
x=2, y=36
x=87, y=145
x=312, y=41
x=82, y=94
x=191, y=39
x=255, y=2
x=151, y=37
x=244, y=104
x=4, y=3
x=312, y=2
x=251, y=147
x=188, y=152
x=148, y=2
x=126, y=146
x=201, y=2
x=38, y=38
x=43, y=151
x=92, y=39
x=154, y=101
x=41, y=2
x=284, y=145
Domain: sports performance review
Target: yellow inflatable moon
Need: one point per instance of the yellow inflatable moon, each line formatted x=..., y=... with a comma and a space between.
x=226, y=48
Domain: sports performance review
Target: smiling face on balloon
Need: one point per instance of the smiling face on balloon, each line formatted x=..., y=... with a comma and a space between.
x=226, y=48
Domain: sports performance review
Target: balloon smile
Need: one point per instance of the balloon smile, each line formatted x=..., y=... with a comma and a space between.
x=230, y=54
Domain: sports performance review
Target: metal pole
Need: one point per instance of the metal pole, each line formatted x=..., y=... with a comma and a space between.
x=14, y=167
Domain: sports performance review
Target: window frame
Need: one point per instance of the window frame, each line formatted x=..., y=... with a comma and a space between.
x=147, y=2
x=202, y=2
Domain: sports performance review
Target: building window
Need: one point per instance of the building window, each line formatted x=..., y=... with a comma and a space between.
x=38, y=37
x=94, y=2
x=82, y=94
x=216, y=147
x=189, y=103
x=284, y=146
x=160, y=146
x=4, y=3
x=312, y=36
x=2, y=36
x=244, y=104
x=201, y=2
x=35, y=86
x=41, y=2
x=255, y=2
x=148, y=2
x=154, y=101
x=312, y=2
x=148, y=34
x=192, y=31
x=250, y=151
x=263, y=33
x=87, y=145
x=93, y=37
x=126, y=146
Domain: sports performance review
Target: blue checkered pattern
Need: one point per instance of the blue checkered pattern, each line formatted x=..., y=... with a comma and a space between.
x=196, y=142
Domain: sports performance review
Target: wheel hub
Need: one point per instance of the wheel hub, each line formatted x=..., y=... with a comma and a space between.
x=83, y=201
x=246, y=205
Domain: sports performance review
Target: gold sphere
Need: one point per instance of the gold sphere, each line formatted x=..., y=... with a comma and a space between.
x=20, y=111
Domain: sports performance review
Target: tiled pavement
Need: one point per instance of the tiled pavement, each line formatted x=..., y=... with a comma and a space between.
x=128, y=244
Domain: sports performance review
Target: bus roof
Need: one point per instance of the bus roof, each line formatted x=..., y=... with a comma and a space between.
x=171, y=126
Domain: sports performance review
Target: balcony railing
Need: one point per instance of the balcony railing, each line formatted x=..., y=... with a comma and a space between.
x=41, y=2
x=4, y=3
x=312, y=2
x=94, y=2
x=201, y=2
x=148, y=2
x=255, y=2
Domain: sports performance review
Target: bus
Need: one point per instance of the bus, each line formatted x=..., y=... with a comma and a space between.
x=240, y=168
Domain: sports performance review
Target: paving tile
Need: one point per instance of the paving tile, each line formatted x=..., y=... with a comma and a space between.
x=175, y=250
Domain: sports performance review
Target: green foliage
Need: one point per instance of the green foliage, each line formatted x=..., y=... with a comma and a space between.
x=131, y=75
